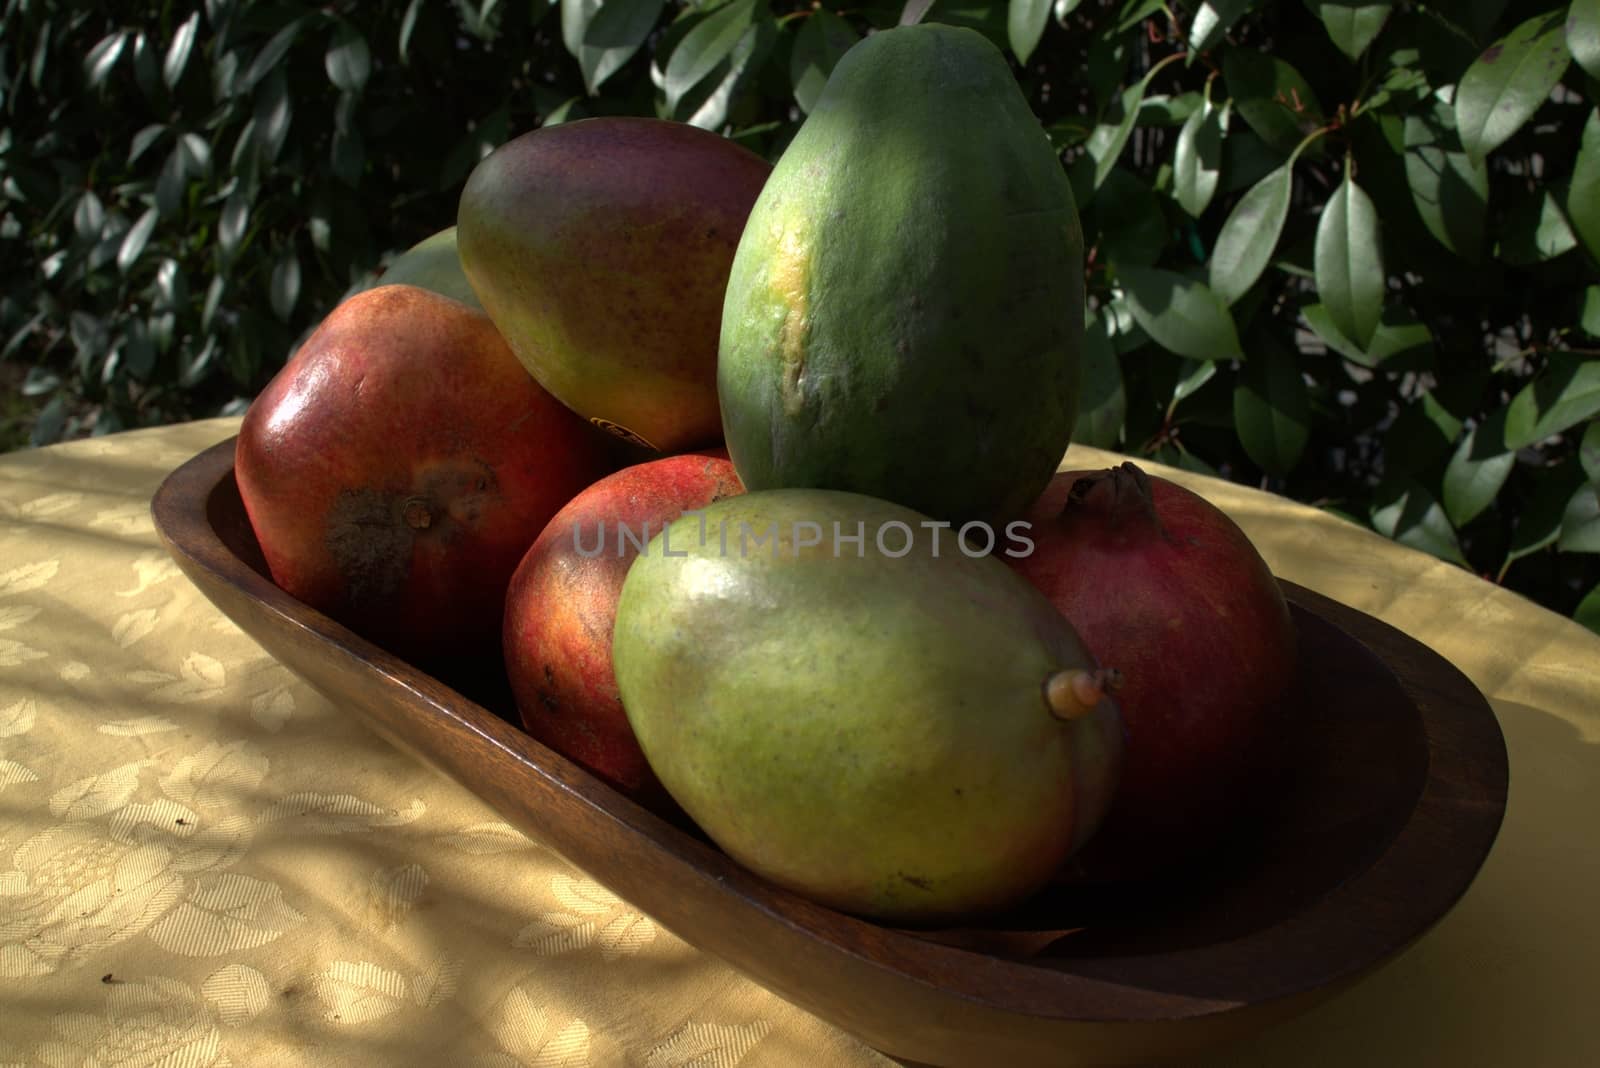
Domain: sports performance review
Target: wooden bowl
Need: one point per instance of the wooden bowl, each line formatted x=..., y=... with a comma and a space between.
x=1394, y=789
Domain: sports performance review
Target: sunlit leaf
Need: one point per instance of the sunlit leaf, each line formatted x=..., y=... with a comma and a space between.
x=1580, y=522
x=1349, y=262
x=1582, y=200
x=1025, y=21
x=1212, y=19
x=1507, y=83
x=177, y=58
x=348, y=59
x=1405, y=512
x=1588, y=611
x=603, y=36
x=137, y=237
x=1182, y=315
x=1476, y=472
x=101, y=58
x=1562, y=395
x=1245, y=244
x=1352, y=24
x=1535, y=229
x=1583, y=34
x=408, y=26
x=708, y=44
x=1197, y=159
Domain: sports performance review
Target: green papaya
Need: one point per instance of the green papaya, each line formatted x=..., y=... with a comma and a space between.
x=904, y=313
x=853, y=705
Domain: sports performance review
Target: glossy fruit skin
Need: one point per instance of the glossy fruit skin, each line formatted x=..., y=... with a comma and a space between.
x=904, y=317
x=562, y=605
x=1166, y=588
x=601, y=250
x=869, y=730
x=398, y=467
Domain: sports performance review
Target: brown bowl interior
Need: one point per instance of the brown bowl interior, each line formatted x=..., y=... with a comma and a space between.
x=1390, y=789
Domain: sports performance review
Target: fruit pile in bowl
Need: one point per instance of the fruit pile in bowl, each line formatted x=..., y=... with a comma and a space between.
x=745, y=477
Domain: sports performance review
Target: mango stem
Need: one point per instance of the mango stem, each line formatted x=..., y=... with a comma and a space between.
x=1075, y=693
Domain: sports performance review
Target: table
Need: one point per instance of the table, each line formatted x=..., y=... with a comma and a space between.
x=203, y=862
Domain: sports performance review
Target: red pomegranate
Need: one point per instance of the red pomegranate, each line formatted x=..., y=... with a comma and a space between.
x=1161, y=584
x=562, y=605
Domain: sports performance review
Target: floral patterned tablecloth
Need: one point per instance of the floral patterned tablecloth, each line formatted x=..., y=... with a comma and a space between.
x=204, y=862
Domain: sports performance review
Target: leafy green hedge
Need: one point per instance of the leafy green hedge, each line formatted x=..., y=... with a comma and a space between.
x=1343, y=249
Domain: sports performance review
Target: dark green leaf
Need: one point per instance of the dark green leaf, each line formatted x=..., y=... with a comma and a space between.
x=177, y=59
x=213, y=301
x=408, y=26
x=1450, y=190
x=1213, y=19
x=1580, y=523
x=173, y=181
x=1025, y=21
x=1132, y=229
x=285, y=289
x=704, y=47
x=136, y=239
x=138, y=351
x=1583, y=192
x=1562, y=395
x=1408, y=514
x=1589, y=319
x=89, y=216
x=1508, y=82
x=1352, y=24
x=1102, y=400
x=272, y=53
x=1397, y=338
x=51, y=421
x=349, y=157
x=1245, y=244
x=1349, y=263
x=1477, y=470
x=348, y=59
x=1272, y=409
x=101, y=58
x=1589, y=453
x=1197, y=159
x=1583, y=35
x=823, y=38
x=1271, y=96
x=274, y=111
x=231, y=225
x=1541, y=517
x=1588, y=611
x=1180, y=314
x=1535, y=229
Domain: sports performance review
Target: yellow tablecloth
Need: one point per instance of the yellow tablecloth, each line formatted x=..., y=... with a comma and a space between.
x=203, y=862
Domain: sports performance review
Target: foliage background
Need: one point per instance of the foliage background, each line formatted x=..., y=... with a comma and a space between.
x=1342, y=249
